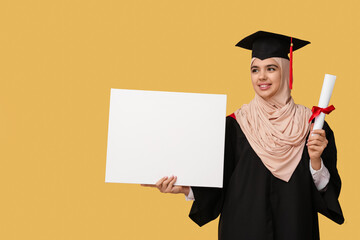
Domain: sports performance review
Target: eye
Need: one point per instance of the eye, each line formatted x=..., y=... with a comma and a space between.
x=271, y=69
x=254, y=70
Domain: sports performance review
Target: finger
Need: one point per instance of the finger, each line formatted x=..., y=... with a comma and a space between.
x=320, y=132
x=320, y=139
x=167, y=181
x=317, y=142
x=160, y=182
x=316, y=149
x=316, y=137
x=171, y=184
x=165, y=184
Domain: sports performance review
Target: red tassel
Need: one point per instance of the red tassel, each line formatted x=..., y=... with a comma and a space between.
x=291, y=65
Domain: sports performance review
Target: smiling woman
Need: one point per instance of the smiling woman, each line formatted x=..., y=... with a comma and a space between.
x=277, y=176
x=265, y=77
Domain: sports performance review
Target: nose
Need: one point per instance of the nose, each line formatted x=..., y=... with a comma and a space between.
x=262, y=75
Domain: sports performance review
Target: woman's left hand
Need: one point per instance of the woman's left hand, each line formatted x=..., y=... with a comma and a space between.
x=316, y=144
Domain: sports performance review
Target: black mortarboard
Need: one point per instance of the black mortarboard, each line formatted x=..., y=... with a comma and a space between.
x=266, y=44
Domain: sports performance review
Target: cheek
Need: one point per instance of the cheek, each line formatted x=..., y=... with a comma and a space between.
x=277, y=79
x=253, y=79
x=253, y=82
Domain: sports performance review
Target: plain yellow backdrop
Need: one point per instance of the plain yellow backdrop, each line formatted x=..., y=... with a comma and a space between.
x=59, y=59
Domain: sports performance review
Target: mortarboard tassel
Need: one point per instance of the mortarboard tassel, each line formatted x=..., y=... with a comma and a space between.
x=291, y=65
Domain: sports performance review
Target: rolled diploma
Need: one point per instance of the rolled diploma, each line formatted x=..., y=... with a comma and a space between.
x=326, y=91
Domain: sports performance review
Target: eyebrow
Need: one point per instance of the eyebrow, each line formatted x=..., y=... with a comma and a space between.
x=270, y=65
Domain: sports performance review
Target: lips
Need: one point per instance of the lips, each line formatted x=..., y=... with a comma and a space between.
x=264, y=86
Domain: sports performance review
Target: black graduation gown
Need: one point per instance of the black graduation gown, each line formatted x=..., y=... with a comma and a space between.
x=253, y=204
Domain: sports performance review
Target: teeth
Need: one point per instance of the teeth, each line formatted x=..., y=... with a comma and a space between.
x=264, y=85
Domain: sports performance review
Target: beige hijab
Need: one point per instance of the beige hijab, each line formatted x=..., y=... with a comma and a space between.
x=277, y=128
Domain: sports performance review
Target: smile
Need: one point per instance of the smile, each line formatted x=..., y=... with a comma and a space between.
x=264, y=86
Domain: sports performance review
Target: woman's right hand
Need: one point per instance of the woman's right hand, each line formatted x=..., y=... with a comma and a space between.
x=166, y=185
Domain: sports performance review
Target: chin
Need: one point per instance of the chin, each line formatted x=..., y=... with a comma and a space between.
x=263, y=95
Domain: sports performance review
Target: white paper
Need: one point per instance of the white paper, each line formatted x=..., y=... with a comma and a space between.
x=155, y=134
x=326, y=91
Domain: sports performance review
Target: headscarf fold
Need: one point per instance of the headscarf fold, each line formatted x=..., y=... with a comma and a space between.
x=276, y=128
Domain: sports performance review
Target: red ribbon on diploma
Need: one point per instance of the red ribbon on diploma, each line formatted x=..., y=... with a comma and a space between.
x=317, y=110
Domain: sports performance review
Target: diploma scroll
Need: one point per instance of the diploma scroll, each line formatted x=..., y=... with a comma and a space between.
x=326, y=91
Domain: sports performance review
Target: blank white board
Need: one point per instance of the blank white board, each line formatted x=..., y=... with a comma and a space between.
x=153, y=134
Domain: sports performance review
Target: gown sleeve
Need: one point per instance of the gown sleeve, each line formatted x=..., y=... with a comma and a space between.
x=209, y=201
x=326, y=202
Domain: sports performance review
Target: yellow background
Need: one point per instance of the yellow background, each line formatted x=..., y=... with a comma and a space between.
x=59, y=59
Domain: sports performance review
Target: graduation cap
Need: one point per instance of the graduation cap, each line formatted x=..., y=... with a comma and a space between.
x=266, y=45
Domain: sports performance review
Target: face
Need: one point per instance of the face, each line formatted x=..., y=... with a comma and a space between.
x=265, y=77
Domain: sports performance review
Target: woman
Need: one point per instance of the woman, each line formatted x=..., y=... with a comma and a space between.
x=277, y=176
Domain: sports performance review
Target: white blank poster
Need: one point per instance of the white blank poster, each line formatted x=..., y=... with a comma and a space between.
x=153, y=134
